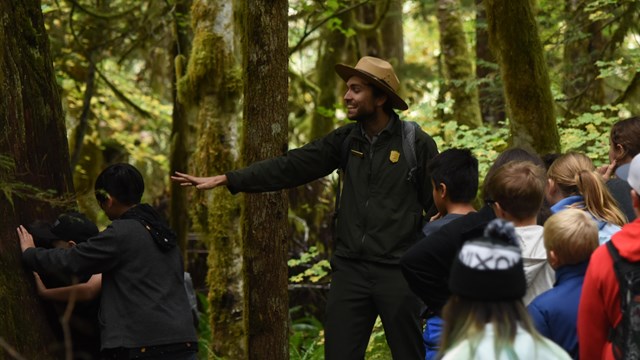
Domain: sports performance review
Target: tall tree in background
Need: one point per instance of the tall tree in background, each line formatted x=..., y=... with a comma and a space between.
x=457, y=59
x=393, y=35
x=34, y=157
x=181, y=122
x=514, y=38
x=264, y=219
x=367, y=19
x=212, y=88
x=487, y=73
x=584, y=45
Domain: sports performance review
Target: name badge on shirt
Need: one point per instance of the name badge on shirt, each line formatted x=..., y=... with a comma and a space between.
x=394, y=156
x=357, y=153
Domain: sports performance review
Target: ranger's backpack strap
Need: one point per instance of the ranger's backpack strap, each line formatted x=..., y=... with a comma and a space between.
x=409, y=148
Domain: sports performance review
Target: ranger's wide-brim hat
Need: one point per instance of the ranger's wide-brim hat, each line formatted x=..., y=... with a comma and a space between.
x=377, y=72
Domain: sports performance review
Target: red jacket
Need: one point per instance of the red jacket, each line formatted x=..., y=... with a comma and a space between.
x=599, y=308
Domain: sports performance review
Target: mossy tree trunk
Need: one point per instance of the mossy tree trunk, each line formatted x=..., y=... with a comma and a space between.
x=181, y=125
x=34, y=157
x=212, y=88
x=393, y=35
x=490, y=91
x=264, y=219
x=367, y=20
x=584, y=46
x=330, y=52
x=458, y=64
x=514, y=39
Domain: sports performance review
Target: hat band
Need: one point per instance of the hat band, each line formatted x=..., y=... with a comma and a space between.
x=386, y=84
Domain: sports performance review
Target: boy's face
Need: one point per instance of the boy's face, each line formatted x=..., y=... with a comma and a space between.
x=108, y=207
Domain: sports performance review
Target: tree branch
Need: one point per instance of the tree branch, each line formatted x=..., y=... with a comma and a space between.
x=362, y=27
x=122, y=96
x=318, y=25
x=101, y=15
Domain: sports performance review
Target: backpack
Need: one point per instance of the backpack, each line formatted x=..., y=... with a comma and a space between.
x=625, y=337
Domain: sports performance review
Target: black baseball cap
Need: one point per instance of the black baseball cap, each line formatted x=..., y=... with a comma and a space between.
x=69, y=226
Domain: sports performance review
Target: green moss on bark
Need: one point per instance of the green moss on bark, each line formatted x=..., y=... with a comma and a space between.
x=457, y=59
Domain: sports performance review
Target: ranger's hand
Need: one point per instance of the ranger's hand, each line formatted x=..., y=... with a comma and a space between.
x=201, y=183
x=26, y=240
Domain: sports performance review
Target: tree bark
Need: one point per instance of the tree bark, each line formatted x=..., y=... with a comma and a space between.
x=584, y=46
x=212, y=88
x=514, y=39
x=393, y=35
x=181, y=124
x=34, y=158
x=457, y=59
x=492, y=107
x=265, y=215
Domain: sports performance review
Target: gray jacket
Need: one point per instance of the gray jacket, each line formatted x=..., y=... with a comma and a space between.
x=143, y=301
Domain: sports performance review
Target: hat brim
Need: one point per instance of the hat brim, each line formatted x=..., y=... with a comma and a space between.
x=41, y=230
x=346, y=72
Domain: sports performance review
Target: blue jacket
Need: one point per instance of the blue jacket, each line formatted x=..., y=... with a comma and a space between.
x=555, y=312
x=605, y=229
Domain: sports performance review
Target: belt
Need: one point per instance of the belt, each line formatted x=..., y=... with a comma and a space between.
x=145, y=352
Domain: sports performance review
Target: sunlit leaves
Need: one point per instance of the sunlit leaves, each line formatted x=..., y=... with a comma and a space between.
x=314, y=272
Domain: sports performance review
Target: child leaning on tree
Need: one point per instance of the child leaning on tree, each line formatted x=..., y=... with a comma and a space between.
x=144, y=309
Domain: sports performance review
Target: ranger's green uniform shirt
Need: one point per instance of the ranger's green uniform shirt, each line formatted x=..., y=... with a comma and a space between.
x=381, y=211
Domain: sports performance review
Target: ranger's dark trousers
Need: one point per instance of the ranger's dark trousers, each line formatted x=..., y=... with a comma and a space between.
x=360, y=291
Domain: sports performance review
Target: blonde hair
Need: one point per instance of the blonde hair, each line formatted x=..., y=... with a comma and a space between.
x=574, y=174
x=572, y=235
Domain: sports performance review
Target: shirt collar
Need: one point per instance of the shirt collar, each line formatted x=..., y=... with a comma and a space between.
x=566, y=202
x=392, y=120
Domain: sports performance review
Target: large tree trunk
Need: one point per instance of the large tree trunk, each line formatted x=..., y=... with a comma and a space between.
x=489, y=83
x=34, y=158
x=514, y=38
x=264, y=219
x=460, y=74
x=213, y=83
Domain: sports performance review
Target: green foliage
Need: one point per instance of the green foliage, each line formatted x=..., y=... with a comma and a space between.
x=485, y=141
x=589, y=133
x=11, y=188
x=315, y=270
x=306, y=341
x=378, y=348
x=129, y=118
x=204, y=329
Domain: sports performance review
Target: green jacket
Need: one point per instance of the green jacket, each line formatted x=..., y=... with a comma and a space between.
x=380, y=212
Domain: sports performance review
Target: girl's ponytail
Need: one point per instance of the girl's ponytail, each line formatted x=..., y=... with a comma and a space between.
x=597, y=198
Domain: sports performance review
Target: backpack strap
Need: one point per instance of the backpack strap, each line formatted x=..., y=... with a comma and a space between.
x=623, y=270
x=344, y=159
x=409, y=148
